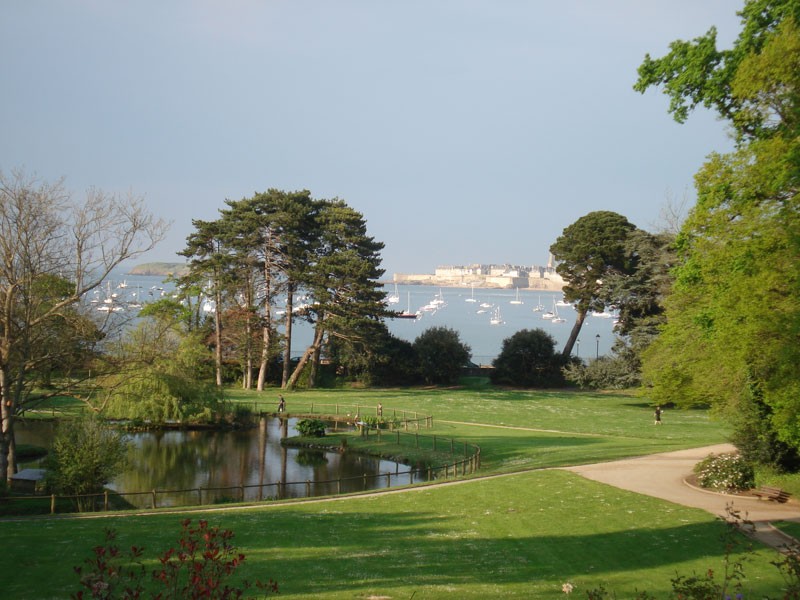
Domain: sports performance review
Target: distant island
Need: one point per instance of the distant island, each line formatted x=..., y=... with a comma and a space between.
x=160, y=269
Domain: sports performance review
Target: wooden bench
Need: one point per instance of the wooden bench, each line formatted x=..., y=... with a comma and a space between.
x=766, y=492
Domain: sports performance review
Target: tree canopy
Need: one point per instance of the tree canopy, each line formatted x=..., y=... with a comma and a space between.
x=528, y=359
x=587, y=253
x=733, y=317
x=440, y=355
x=53, y=251
x=281, y=256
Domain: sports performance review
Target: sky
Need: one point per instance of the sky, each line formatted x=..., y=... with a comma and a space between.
x=464, y=131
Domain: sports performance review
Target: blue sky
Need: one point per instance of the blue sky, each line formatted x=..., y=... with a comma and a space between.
x=463, y=130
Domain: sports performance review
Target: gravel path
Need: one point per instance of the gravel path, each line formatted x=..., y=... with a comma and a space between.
x=664, y=476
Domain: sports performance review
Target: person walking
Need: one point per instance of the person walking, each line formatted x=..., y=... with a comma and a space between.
x=281, y=403
x=658, y=415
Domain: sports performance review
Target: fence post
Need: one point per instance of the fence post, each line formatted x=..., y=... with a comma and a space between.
x=241, y=492
x=434, y=443
x=154, y=499
x=339, y=486
x=452, y=446
x=308, y=488
x=388, y=479
x=52, y=504
x=105, y=500
x=416, y=440
x=365, y=480
x=337, y=408
x=199, y=497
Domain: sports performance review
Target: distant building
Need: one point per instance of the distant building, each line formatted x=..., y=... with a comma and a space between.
x=489, y=276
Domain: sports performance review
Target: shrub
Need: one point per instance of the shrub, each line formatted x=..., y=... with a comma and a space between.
x=726, y=472
x=86, y=455
x=311, y=428
x=440, y=355
x=529, y=359
x=198, y=567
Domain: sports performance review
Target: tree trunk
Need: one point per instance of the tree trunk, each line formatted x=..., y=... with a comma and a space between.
x=264, y=364
x=218, y=333
x=7, y=459
x=312, y=376
x=314, y=347
x=287, y=345
x=266, y=331
x=247, y=379
x=573, y=335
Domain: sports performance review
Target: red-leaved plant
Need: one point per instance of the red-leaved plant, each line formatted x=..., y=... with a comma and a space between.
x=198, y=568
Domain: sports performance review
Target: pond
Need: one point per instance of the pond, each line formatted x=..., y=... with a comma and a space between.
x=203, y=467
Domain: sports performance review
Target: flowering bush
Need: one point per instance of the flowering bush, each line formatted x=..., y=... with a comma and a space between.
x=726, y=472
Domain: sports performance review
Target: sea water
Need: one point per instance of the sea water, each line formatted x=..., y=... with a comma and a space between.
x=472, y=313
x=467, y=311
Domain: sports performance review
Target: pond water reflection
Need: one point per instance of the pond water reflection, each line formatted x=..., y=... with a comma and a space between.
x=212, y=466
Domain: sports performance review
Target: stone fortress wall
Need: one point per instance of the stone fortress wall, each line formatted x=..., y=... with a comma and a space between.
x=487, y=276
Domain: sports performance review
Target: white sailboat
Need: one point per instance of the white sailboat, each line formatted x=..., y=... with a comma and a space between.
x=394, y=298
x=497, y=318
x=556, y=318
x=472, y=297
x=407, y=314
x=516, y=300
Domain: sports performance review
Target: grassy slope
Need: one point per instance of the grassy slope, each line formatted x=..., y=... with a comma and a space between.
x=521, y=535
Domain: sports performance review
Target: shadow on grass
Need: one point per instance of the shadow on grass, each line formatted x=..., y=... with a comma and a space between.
x=419, y=550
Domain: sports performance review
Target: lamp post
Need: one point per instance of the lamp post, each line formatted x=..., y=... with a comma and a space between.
x=597, y=353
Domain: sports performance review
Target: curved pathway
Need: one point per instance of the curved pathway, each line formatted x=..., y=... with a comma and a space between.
x=663, y=476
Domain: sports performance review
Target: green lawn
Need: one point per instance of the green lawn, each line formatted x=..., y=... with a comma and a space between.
x=517, y=535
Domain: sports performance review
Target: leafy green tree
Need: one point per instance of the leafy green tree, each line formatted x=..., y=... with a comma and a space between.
x=53, y=251
x=347, y=300
x=163, y=375
x=86, y=455
x=440, y=355
x=529, y=359
x=209, y=259
x=754, y=98
x=733, y=319
x=588, y=252
x=278, y=245
x=378, y=358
